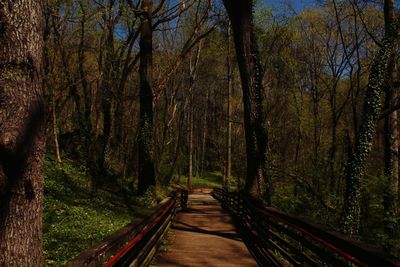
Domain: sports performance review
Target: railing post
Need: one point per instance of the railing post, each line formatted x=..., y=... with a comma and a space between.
x=183, y=199
x=240, y=205
x=235, y=203
x=224, y=199
x=231, y=203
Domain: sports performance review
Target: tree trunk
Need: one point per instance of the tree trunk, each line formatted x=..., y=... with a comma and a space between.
x=85, y=123
x=146, y=174
x=192, y=79
x=355, y=165
x=228, y=166
x=46, y=70
x=240, y=14
x=22, y=134
x=54, y=126
x=191, y=117
x=105, y=97
x=204, y=136
x=391, y=135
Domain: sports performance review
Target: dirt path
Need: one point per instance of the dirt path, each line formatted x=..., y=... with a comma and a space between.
x=203, y=235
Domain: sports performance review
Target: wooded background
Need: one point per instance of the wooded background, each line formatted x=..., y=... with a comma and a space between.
x=315, y=70
x=297, y=107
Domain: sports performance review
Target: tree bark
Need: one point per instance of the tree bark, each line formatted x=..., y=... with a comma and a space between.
x=191, y=117
x=391, y=133
x=204, y=136
x=228, y=166
x=146, y=178
x=21, y=133
x=99, y=169
x=355, y=165
x=85, y=123
x=240, y=14
x=192, y=79
x=54, y=127
x=46, y=71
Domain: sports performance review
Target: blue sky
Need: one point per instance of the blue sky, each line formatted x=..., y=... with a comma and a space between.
x=298, y=5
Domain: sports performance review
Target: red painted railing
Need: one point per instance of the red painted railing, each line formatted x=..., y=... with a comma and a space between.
x=279, y=239
x=136, y=244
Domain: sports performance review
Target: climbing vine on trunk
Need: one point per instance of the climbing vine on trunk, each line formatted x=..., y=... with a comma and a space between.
x=355, y=165
x=241, y=17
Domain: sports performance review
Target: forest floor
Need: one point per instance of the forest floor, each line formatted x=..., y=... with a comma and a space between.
x=75, y=217
x=208, y=180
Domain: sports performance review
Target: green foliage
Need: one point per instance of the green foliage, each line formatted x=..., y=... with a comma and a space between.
x=375, y=224
x=147, y=199
x=295, y=200
x=74, y=217
x=263, y=14
x=209, y=180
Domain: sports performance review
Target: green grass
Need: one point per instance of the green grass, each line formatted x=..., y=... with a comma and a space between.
x=213, y=179
x=74, y=217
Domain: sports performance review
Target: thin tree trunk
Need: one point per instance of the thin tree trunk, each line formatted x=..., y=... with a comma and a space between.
x=54, y=124
x=146, y=174
x=85, y=122
x=177, y=152
x=240, y=14
x=191, y=116
x=46, y=71
x=22, y=135
x=106, y=85
x=204, y=137
x=193, y=67
x=228, y=166
x=332, y=154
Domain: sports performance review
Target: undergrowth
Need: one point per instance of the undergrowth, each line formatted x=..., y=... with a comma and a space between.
x=209, y=180
x=76, y=218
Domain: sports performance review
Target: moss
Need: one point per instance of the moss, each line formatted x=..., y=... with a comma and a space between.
x=11, y=74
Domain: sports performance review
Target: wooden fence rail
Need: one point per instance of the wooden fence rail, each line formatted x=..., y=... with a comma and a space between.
x=279, y=239
x=135, y=244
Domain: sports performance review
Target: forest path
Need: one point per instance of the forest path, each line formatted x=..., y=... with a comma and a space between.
x=204, y=235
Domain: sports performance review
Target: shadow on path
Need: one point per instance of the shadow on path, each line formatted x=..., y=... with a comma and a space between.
x=204, y=235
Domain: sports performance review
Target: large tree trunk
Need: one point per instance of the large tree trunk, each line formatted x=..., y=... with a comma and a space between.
x=391, y=134
x=240, y=14
x=355, y=165
x=146, y=178
x=21, y=133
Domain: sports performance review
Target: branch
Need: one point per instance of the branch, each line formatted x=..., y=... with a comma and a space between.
x=302, y=182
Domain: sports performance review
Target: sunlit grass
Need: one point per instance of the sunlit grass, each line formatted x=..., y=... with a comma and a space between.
x=208, y=180
x=76, y=218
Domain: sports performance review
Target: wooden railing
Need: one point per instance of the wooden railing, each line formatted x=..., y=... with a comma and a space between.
x=279, y=239
x=135, y=244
